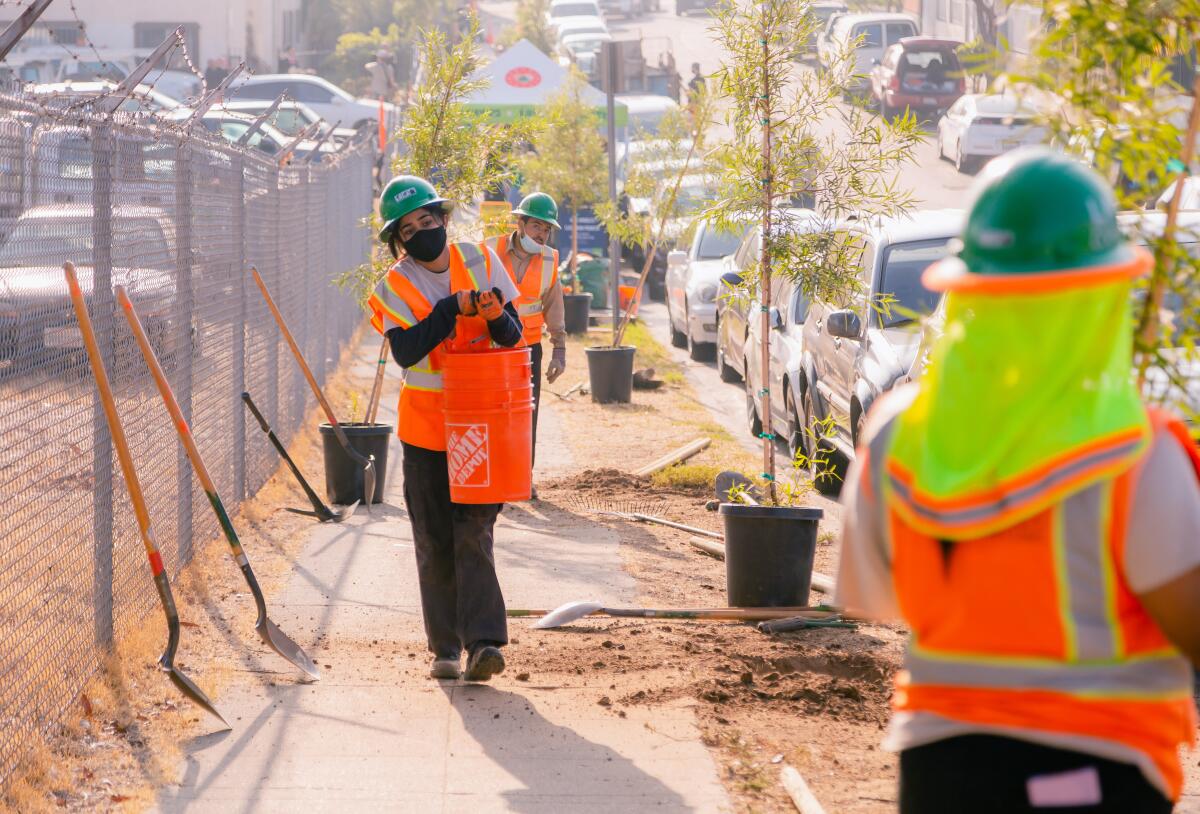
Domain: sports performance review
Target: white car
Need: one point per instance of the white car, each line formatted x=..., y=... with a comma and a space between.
x=645, y=111
x=864, y=38
x=574, y=27
x=142, y=98
x=693, y=281
x=1189, y=200
x=561, y=9
x=290, y=117
x=979, y=126
x=329, y=101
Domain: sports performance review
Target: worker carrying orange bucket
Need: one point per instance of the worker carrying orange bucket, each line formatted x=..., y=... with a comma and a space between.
x=1033, y=521
x=447, y=310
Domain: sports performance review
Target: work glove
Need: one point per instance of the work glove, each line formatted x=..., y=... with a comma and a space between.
x=466, y=303
x=558, y=363
x=490, y=304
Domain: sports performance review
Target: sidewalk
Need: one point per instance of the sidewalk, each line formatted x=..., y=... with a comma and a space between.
x=376, y=734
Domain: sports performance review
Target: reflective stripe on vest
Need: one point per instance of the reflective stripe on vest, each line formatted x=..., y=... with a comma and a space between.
x=539, y=278
x=1034, y=626
x=982, y=513
x=397, y=301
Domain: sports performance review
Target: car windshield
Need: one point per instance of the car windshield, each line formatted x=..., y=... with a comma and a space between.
x=901, y=296
x=574, y=10
x=289, y=121
x=692, y=197
x=136, y=243
x=715, y=244
x=922, y=60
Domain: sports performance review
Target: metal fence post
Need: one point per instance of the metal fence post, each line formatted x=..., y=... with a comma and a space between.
x=185, y=297
x=273, y=396
x=239, y=341
x=102, y=312
x=306, y=326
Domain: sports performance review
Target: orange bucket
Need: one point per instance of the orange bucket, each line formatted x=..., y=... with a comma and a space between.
x=626, y=292
x=488, y=398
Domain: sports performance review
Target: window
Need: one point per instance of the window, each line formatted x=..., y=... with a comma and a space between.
x=958, y=14
x=715, y=245
x=151, y=35
x=872, y=35
x=263, y=91
x=289, y=29
x=943, y=10
x=901, y=296
x=898, y=31
x=309, y=93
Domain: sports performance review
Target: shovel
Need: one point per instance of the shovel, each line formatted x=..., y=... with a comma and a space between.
x=320, y=510
x=574, y=611
x=368, y=462
x=275, y=638
x=167, y=660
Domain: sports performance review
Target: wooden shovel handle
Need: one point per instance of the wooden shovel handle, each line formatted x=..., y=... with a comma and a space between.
x=164, y=389
x=312, y=381
x=114, y=420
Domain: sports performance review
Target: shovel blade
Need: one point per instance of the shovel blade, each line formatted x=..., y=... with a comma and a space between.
x=197, y=696
x=348, y=512
x=369, y=482
x=566, y=614
x=279, y=641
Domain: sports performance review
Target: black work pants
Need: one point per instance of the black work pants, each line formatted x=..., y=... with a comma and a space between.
x=989, y=774
x=535, y=356
x=460, y=594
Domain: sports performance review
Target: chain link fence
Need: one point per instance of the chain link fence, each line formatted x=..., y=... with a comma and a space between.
x=177, y=217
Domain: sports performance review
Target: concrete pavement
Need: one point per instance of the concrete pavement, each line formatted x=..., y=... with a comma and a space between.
x=375, y=734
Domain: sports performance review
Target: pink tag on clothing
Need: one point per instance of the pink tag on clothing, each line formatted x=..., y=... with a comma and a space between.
x=1078, y=787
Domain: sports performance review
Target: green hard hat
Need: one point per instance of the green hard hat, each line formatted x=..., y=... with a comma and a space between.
x=404, y=194
x=540, y=206
x=1036, y=212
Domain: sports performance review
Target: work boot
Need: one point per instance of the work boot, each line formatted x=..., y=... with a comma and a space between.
x=446, y=667
x=485, y=662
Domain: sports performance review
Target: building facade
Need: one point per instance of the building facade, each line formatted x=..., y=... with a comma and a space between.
x=257, y=31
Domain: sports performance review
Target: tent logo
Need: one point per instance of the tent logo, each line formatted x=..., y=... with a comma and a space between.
x=523, y=78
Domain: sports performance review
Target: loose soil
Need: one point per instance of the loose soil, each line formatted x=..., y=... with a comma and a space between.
x=814, y=699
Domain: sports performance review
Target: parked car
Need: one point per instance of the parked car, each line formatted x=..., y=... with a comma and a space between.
x=920, y=74
x=269, y=139
x=576, y=44
x=982, y=126
x=826, y=54
x=866, y=37
x=786, y=349
x=693, y=282
x=645, y=112
x=734, y=303
x=859, y=348
x=61, y=164
x=561, y=11
x=695, y=191
x=33, y=316
x=78, y=96
x=626, y=8
x=290, y=118
x=821, y=13
x=329, y=101
x=687, y=6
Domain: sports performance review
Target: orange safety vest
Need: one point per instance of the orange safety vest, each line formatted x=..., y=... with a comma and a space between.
x=540, y=276
x=1034, y=627
x=396, y=300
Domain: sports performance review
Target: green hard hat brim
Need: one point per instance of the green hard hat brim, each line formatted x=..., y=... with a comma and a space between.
x=528, y=214
x=1121, y=262
x=385, y=233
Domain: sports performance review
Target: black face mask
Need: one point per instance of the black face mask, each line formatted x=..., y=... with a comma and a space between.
x=426, y=245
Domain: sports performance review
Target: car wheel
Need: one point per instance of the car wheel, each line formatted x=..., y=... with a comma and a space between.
x=797, y=439
x=752, y=420
x=678, y=339
x=726, y=373
x=658, y=290
x=697, y=351
x=826, y=464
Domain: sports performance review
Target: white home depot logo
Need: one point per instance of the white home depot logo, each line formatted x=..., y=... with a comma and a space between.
x=467, y=454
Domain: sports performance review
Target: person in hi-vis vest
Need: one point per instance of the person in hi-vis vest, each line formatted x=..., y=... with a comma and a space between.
x=443, y=297
x=533, y=264
x=1034, y=522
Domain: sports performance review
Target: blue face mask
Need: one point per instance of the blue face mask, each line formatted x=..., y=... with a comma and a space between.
x=530, y=245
